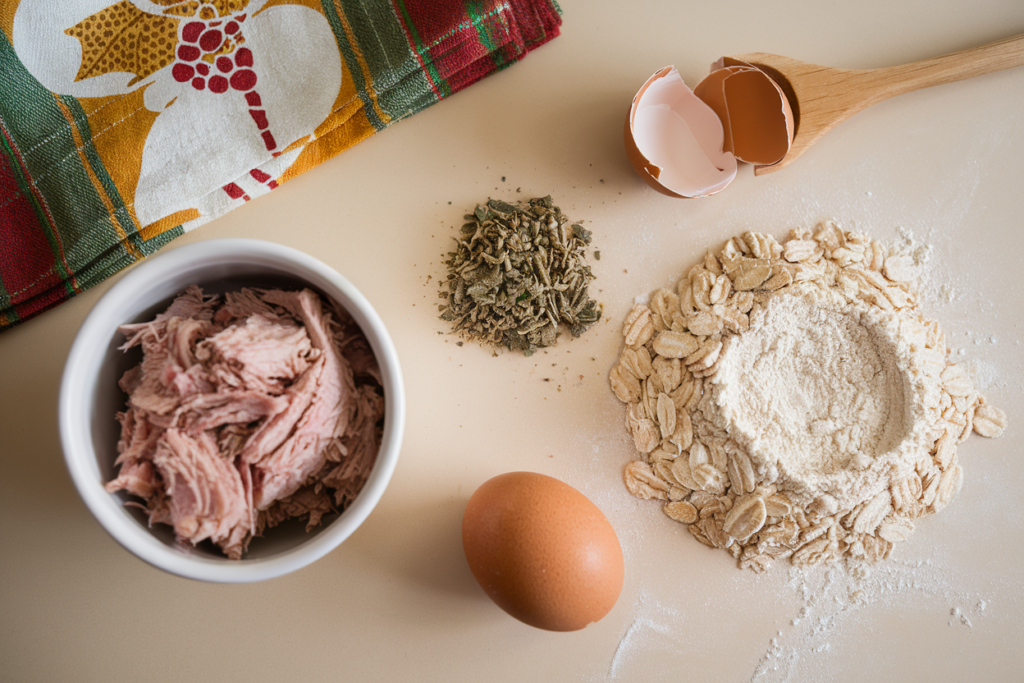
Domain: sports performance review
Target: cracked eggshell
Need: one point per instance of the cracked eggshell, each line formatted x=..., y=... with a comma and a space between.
x=675, y=141
x=756, y=115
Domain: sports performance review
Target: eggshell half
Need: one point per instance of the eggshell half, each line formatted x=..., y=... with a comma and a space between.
x=542, y=551
x=757, y=118
x=674, y=140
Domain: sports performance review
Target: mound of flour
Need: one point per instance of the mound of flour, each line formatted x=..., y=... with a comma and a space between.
x=823, y=392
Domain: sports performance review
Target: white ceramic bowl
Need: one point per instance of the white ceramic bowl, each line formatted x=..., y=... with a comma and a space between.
x=90, y=397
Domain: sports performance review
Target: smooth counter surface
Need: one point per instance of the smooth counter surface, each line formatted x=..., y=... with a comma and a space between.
x=941, y=167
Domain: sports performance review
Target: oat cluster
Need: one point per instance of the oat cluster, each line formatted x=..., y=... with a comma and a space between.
x=733, y=493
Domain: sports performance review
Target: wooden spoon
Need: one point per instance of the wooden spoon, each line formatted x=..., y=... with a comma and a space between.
x=822, y=96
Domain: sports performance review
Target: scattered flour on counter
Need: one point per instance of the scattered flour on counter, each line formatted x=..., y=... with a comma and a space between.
x=958, y=615
x=836, y=600
x=834, y=606
x=983, y=373
x=920, y=252
x=625, y=646
x=654, y=624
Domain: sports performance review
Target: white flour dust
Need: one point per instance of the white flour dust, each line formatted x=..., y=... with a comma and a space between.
x=822, y=387
x=655, y=628
x=833, y=604
x=841, y=601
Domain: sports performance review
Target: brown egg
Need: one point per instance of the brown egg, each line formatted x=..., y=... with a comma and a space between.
x=542, y=551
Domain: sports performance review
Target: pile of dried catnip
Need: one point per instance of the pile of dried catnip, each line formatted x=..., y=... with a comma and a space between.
x=518, y=272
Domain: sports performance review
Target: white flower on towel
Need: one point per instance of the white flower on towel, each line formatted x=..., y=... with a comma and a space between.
x=233, y=85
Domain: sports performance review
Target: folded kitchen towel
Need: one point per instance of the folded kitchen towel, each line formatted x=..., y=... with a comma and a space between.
x=125, y=124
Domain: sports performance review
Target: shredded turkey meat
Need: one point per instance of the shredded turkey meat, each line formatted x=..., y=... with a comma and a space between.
x=247, y=410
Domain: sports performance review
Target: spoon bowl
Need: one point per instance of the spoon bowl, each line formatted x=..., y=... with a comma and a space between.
x=822, y=96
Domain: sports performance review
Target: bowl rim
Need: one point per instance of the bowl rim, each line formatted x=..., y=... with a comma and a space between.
x=81, y=373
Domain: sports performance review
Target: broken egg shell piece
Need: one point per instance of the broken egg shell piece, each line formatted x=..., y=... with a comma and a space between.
x=755, y=113
x=674, y=140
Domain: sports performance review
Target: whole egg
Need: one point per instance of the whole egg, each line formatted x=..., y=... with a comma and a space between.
x=542, y=551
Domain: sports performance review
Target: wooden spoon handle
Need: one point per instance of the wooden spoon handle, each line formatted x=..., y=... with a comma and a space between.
x=975, y=61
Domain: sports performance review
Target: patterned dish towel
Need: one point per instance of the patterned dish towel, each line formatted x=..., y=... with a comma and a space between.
x=125, y=124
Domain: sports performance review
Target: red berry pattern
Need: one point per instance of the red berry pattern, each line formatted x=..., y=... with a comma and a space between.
x=200, y=38
x=199, y=42
x=243, y=56
x=190, y=32
x=243, y=80
x=211, y=40
x=182, y=72
x=218, y=84
x=188, y=53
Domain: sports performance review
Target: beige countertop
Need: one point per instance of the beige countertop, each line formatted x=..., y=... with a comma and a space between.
x=397, y=600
